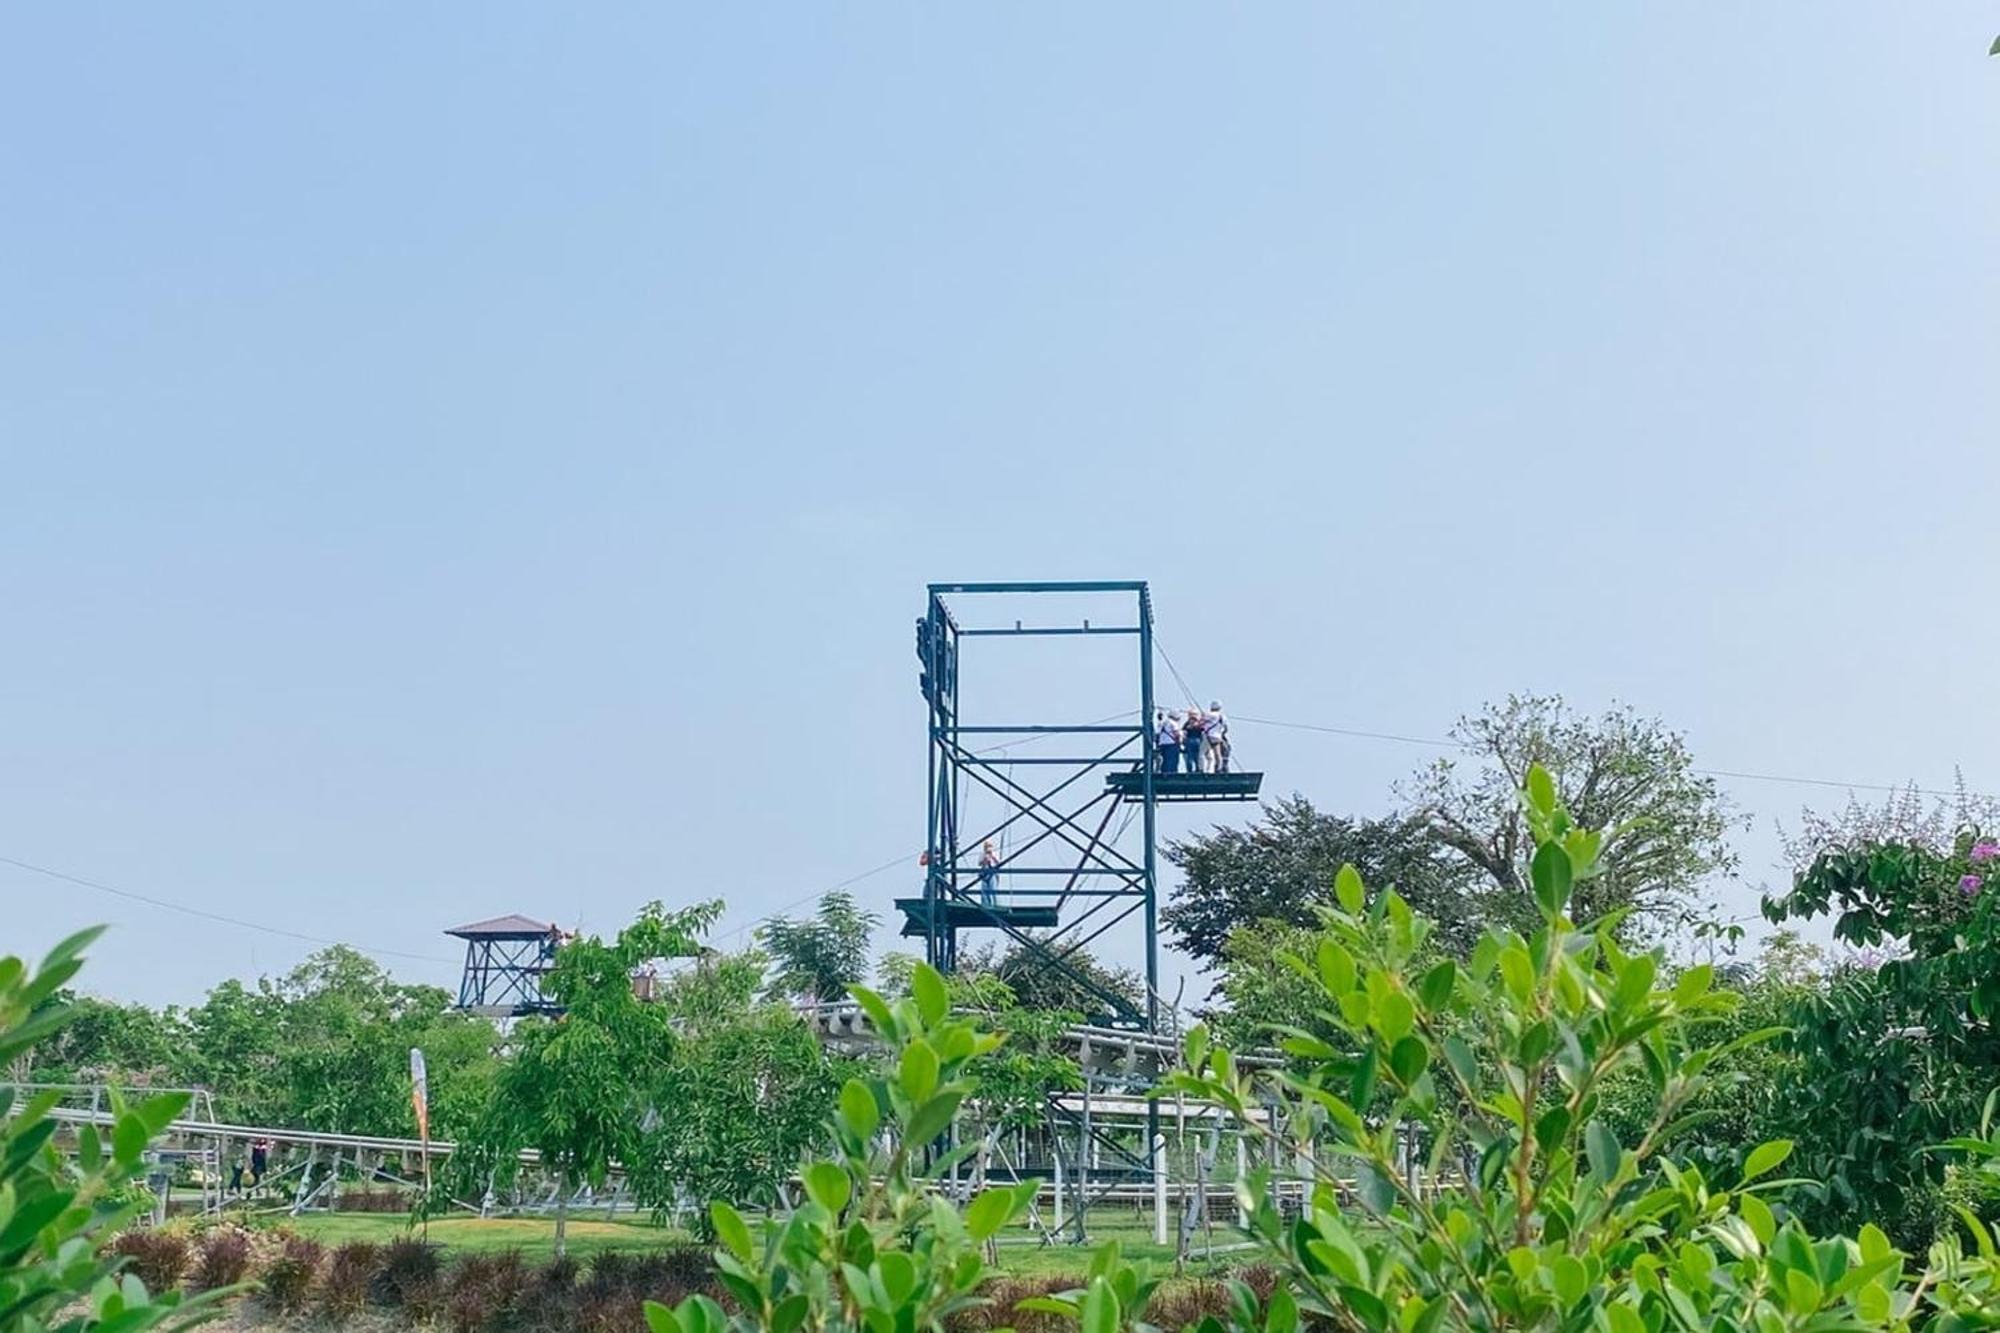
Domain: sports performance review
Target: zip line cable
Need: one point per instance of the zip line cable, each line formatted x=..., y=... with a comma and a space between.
x=1437, y=743
x=1355, y=733
x=215, y=916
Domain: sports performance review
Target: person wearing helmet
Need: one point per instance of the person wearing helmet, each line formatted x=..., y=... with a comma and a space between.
x=1215, y=740
x=1166, y=740
x=1191, y=728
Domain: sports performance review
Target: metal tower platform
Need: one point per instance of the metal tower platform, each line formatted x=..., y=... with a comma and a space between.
x=1068, y=877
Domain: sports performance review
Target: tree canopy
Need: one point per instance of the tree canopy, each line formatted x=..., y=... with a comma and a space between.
x=1666, y=826
x=820, y=957
x=1281, y=869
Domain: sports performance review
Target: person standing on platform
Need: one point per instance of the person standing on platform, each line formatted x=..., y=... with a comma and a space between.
x=989, y=875
x=1167, y=742
x=1191, y=729
x=1215, y=740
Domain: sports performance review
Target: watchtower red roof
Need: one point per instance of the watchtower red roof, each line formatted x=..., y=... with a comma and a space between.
x=513, y=926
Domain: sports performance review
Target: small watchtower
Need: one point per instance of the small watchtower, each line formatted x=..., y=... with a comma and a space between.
x=505, y=960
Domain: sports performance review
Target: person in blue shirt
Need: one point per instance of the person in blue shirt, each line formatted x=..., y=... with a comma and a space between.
x=989, y=875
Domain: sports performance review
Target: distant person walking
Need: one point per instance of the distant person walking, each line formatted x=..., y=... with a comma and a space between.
x=1167, y=741
x=989, y=875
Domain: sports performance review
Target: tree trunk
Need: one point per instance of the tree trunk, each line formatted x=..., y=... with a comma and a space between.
x=562, y=1212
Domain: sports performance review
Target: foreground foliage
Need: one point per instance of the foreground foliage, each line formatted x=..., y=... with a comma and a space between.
x=58, y=1212
x=1459, y=1165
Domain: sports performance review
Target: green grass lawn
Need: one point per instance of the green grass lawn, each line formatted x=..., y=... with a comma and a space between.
x=534, y=1237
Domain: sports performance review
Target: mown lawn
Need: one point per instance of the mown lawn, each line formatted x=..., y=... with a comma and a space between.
x=534, y=1237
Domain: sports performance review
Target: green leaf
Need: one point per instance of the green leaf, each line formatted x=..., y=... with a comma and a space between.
x=129, y=1138
x=1408, y=1060
x=1100, y=1308
x=1758, y=1214
x=1765, y=1158
x=790, y=1313
x=1570, y=1279
x=878, y=1011
x=859, y=1110
x=1518, y=972
x=990, y=1211
x=1194, y=1046
x=1459, y=1056
x=1348, y=889
x=918, y=1072
x=931, y=1119
x=1602, y=1147
x=1395, y=1015
x=1541, y=790
x=1692, y=984
x=1336, y=968
x=1635, y=983
x=933, y=997
x=1874, y=1243
x=1365, y=1306
x=1552, y=875
x=659, y=1319
x=1802, y=1294
x=732, y=1230
x=828, y=1186
x=1281, y=1312
x=899, y=1276
x=1436, y=987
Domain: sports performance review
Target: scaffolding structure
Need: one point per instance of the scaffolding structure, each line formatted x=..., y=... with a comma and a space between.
x=1070, y=878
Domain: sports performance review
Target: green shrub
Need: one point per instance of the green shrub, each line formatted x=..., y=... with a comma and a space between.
x=57, y=1213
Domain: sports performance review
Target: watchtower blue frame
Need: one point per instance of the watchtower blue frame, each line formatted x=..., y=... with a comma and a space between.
x=1065, y=816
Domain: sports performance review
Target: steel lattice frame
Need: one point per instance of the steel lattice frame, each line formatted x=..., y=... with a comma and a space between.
x=1080, y=885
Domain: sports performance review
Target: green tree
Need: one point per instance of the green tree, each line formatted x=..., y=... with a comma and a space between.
x=580, y=1084
x=327, y=1046
x=1666, y=826
x=820, y=957
x=740, y=1097
x=103, y=1041
x=1281, y=869
x=1897, y=1051
x=1059, y=977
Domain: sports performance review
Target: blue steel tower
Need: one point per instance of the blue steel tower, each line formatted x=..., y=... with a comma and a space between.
x=1071, y=878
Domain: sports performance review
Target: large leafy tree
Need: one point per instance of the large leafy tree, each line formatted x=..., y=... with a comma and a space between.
x=821, y=956
x=579, y=1085
x=326, y=1046
x=741, y=1094
x=1281, y=869
x=1666, y=826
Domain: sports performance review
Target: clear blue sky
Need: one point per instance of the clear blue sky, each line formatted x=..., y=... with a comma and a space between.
x=462, y=460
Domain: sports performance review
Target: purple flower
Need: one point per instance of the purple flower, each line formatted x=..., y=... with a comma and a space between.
x=1969, y=885
x=1985, y=849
